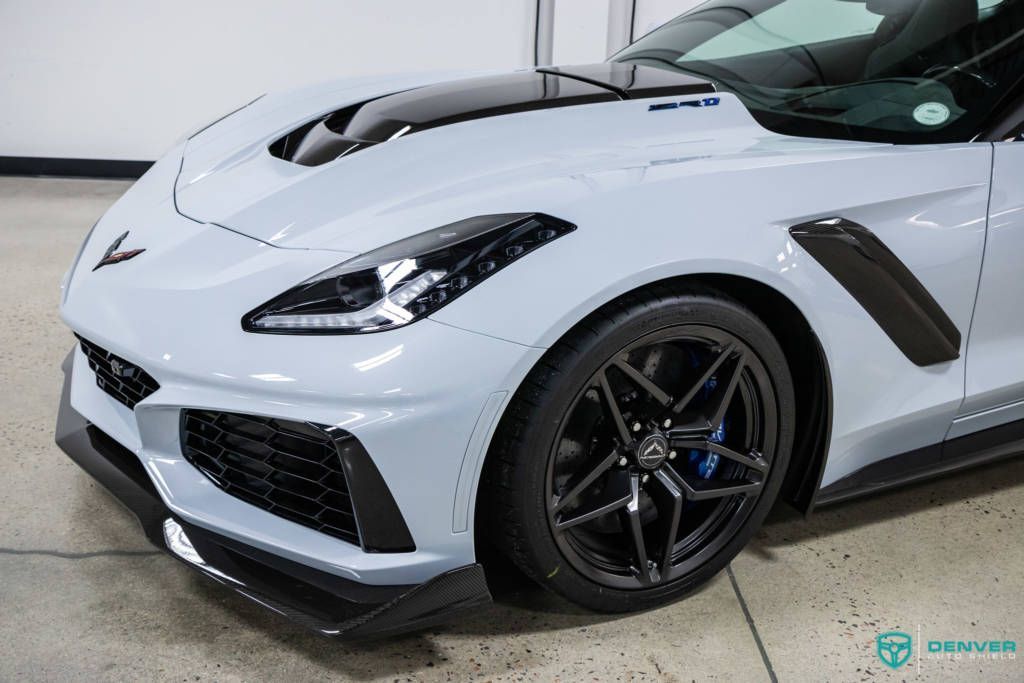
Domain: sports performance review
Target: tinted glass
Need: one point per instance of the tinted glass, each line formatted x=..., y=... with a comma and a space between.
x=910, y=71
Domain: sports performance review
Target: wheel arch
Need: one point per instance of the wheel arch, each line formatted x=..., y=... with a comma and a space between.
x=808, y=364
x=811, y=375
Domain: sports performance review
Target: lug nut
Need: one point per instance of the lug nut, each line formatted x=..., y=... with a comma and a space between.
x=623, y=461
x=666, y=424
x=637, y=426
x=672, y=455
x=645, y=478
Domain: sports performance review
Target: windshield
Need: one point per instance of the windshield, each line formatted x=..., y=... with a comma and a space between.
x=909, y=71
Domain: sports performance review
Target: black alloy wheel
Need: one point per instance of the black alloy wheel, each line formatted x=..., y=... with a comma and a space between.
x=656, y=434
x=652, y=474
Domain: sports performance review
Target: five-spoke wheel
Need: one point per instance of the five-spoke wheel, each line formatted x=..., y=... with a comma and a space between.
x=660, y=456
x=656, y=434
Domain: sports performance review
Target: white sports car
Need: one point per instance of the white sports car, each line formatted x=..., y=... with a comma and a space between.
x=600, y=317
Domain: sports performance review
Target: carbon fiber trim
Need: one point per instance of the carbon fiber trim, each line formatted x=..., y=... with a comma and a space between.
x=884, y=286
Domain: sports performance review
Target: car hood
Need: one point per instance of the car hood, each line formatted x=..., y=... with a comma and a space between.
x=353, y=165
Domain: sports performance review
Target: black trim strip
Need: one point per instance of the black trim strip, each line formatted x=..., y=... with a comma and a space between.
x=73, y=168
x=932, y=461
x=382, y=529
x=884, y=286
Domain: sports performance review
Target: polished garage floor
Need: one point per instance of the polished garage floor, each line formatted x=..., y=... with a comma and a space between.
x=82, y=594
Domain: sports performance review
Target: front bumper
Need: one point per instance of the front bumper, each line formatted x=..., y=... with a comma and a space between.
x=422, y=400
x=319, y=600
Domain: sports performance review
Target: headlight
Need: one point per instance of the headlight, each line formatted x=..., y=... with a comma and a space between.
x=406, y=280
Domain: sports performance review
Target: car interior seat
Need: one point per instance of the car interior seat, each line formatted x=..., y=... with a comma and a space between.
x=916, y=35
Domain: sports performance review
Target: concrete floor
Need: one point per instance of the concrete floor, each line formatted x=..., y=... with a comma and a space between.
x=83, y=595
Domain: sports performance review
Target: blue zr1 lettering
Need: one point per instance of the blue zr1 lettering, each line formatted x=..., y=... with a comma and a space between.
x=706, y=102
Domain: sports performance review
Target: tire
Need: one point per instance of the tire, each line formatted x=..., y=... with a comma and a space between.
x=606, y=541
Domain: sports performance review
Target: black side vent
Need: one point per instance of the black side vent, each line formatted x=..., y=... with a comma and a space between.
x=884, y=286
x=300, y=471
x=127, y=383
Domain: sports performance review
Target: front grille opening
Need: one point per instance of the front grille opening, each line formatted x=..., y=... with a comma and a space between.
x=290, y=469
x=124, y=381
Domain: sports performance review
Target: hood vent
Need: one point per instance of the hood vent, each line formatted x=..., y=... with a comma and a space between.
x=392, y=116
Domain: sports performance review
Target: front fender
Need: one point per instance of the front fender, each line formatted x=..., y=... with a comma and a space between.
x=731, y=215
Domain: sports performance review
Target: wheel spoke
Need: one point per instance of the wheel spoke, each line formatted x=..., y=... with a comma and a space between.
x=724, y=392
x=708, y=489
x=646, y=572
x=669, y=499
x=582, y=480
x=643, y=382
x=699, y=384
x=613, y=408
x=753, y=460
x=616, y=495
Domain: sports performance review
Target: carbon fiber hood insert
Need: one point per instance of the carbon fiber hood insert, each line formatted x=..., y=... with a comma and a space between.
x=403, y=113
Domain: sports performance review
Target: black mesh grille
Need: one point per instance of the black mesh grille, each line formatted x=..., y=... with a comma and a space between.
x=291, y=469
x=126, y=382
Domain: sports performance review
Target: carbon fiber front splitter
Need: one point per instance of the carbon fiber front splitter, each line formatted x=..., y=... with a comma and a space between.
x=324, y=602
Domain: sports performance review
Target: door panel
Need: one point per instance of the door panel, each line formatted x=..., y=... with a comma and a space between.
x=995, y=351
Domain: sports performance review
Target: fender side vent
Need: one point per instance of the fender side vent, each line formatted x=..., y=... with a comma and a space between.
x=884, y=286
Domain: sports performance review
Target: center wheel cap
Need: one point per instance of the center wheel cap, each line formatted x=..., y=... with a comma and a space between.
x=652, y=451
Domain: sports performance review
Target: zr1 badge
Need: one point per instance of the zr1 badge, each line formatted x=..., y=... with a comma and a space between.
x=706, y=102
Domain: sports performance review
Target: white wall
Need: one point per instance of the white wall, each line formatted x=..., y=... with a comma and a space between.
x=579, y=31
x=581, y=26
x=123, y=79
x=650, y=14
